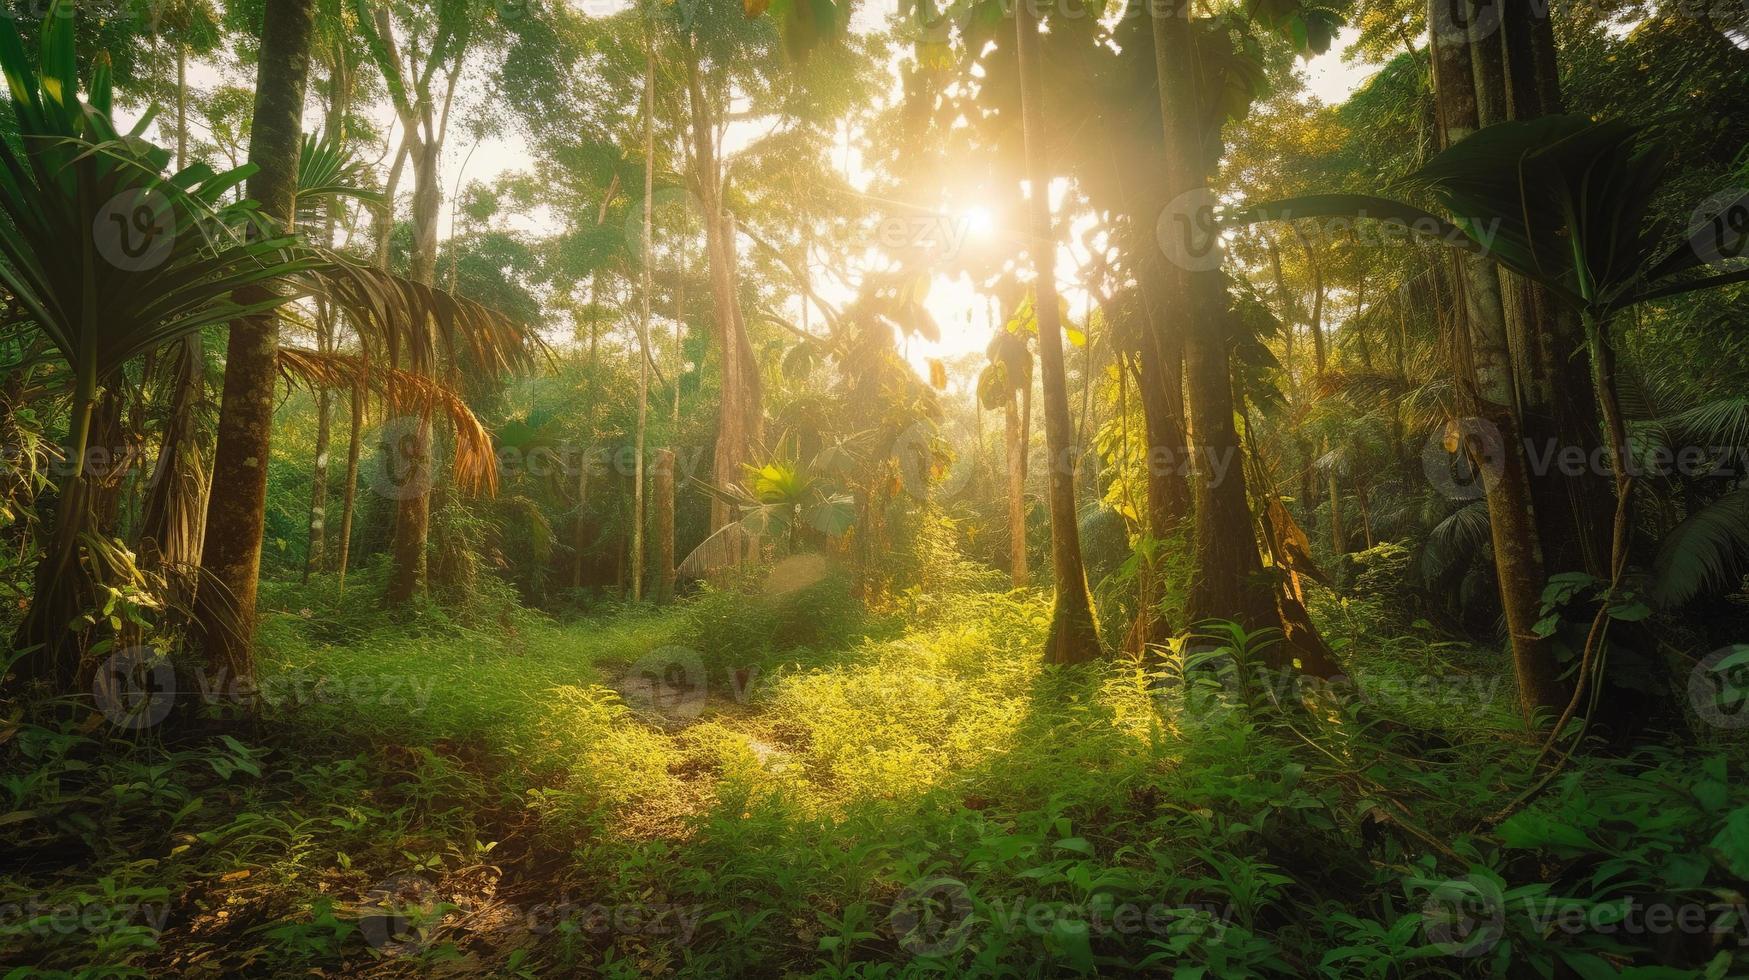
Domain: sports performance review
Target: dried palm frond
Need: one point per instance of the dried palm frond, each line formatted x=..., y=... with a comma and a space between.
x=402, y=392
x=421, y=328
x=174, y=522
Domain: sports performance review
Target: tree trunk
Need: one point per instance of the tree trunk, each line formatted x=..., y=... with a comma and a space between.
x=580, y=529
x=319, y=475
x=662, y=486
x=231, y=557
x=1573, y=510
x=1229, y=581
x=181, y=105
x=61, y=586
x=354, y=448
x=1161, y=387
x=408, y=559
x=1074, y=637
x=1016, y=452
x=1485, y=367
x=644, y=321
x=355, y=444
x=741, y=413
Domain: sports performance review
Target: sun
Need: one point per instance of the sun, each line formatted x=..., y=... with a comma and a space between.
x=979, y=221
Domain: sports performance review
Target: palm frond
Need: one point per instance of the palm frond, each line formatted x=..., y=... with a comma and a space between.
x=1717, y=424
x=403, y=392
x=1705, y=553
x=420, y=328
x=327, y=170
x=1455, y=541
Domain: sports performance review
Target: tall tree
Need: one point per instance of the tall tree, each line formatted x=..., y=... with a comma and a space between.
x=740, y=423
x=1074, y=637
x=422, y=101
x=1485, y=366
x=644, y=314
x=1229, y=570
x=231, y=556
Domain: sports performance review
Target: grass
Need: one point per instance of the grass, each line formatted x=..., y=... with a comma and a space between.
x=720, y=788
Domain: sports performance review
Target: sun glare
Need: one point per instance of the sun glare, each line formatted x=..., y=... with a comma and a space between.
x=980, y=222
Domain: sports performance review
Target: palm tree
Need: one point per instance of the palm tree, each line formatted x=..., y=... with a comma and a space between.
x=109, y=261
x=1074, y=637
x=166, y=260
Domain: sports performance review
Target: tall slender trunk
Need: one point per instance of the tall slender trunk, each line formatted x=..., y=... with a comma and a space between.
x=644, y=319
x=355, y=438
x=327, y=323
x=1016, y=455
x=662, y=486
x=580, y=529
x=1320, y=362
x=181, y=105
x=314, y=554
x=408, y=559
x=741, y=416
x=231, y=557
x=1074, y=637
x=1485, y=366
x=354, y=448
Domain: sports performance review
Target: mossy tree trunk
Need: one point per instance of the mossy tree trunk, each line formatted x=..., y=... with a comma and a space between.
x=236, y=517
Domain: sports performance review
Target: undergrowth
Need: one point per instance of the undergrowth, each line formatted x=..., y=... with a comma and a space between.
x=769, y=780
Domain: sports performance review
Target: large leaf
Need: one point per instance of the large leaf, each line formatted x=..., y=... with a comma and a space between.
x=1566, y=198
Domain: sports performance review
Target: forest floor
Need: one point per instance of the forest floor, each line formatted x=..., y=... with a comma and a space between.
x=758, y=784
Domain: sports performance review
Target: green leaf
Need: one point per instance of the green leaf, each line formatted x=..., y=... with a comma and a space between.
x=1731, y=845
